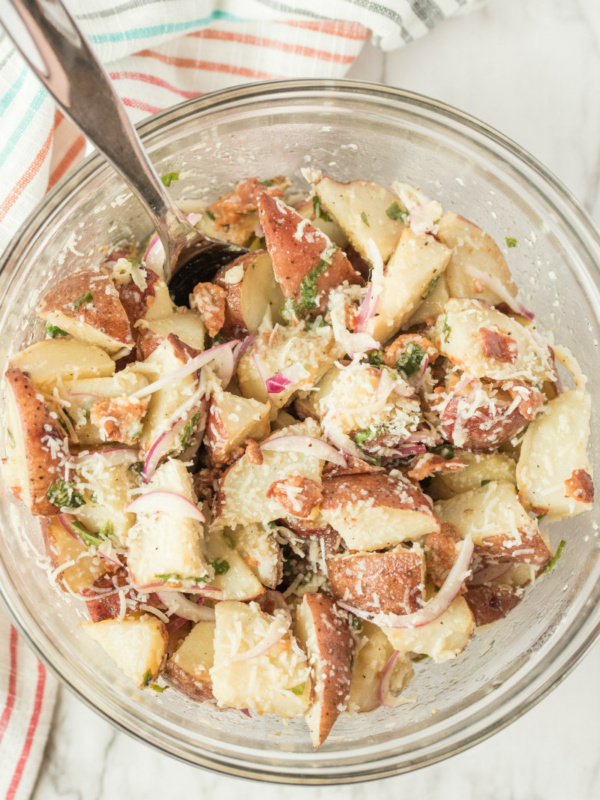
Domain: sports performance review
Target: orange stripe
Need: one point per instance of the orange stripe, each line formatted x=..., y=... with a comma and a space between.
x=131, y=102
x=29, y=174
x=66, y=161
x=207, y=66
x=347, y=30
x=153, y=80
x=33, y=723
x=259, y=41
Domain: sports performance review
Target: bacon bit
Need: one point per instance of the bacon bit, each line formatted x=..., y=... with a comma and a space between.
x=243, y=200
x=284, y=645
x=430, y=321
x=478, y=286
x=531, y=398
x=17, y=492
x=440, y=553
x=498, y=345
x=252, y=562
x=303, y=503
x=580, y=486
x=354, y=466
x=253, y=452
x=204, y=482
x=119, y=419
x=393, y=350
x=425, y=465
x=209, y=299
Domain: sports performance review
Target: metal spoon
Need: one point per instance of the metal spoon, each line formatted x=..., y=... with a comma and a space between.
x=56, y=50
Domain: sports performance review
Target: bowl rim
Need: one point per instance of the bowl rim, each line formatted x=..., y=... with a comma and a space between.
x=544, y=676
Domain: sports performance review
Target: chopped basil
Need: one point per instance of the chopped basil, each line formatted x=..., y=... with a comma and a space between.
x=485, y=483
x=318, y=210
x=220, y=566
x=369, y=433
x=266, y=183
x=106, y=530
x=54, y=330
x=147, y=677
x=62, y=494
x=210, y=215
x=552, y=563
x=436, y=221
x=365, y=219
x=93, y=497
x=511, y=242
x=308, y=288
x=187, y=437
x=431, y=287
x=376, y=358
x=298, y=689
x=137, y=432
x=229, y=541
x=446, y=451
x=411, y=359
x=87, y=412
x=356, y=622
x=175, y=576
x=11, y=438
x=273, y=525
x=540, y=517
x=446, y=330
x=420, y=657
x=83, y=300
x=136, y=467
x=396, y=213
x=87, y=537
x=157, y=688
x=169, y=178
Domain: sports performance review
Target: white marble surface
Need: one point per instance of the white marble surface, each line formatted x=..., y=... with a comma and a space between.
x=531, y=68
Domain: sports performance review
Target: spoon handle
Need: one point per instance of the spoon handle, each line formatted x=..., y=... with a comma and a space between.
x=54, y=47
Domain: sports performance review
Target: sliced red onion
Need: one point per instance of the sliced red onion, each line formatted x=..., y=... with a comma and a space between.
x=246, y=712
x=87, y=395
x=108, y=552
x=112, y=456
x=167, y=502
x=409, y=450
x=356, y=343
x=276, y=631
x=210, y=592
x=368, y=308
x=241, y=347
x=167, y=442
x=438, y=604
x=384, y=692
x=420, y=376
x=290, y=376
x=308, y=445
x=179, y=605
x=344, y=443
x=489, y=573
x=221, y=355
x=65, y=521
x=496, y=286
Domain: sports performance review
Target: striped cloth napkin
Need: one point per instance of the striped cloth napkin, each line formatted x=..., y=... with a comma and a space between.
x=159, y=52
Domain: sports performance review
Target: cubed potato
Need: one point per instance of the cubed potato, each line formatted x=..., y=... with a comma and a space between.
x=188, y=669
x=498, y=524
x=324, y=632
x=390, y=582
x=481, y=469
x=313, y=404
x=311, y=352
x=146, y=298
x=137, y=644
x=252, y=291
x=312, y=210
x=233, y=575
x=554, y=473
x=376, y=510
x=87, y=305
x=242, y=495
x=364, y=210
x=373, y=651
x=232, y=420
x=34, y=446
x=305, y=262
x=52, y=360
x=435, y=299
x=188, y=327
x=477, y=265
x=415, y=263
x=443, y=639
x=177, y=558
x=460, y=335
x=80, y=570
x=261, y=551
x=275, y=682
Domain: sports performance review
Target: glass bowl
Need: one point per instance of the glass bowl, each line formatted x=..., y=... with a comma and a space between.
x=349, y=130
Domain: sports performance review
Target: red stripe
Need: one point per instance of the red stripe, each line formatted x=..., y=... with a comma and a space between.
x=131, y=102
x=207, y=66
x=12, y=683
x=347, y=30
x=33, y=723
x=66, y=161
x=273, y=44
x=152, y=79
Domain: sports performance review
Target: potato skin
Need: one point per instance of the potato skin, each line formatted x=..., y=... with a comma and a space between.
x=489, y=603
x=36, y=425
x=136, y=301
x=485, y=428
x=341, y=490
x=532, y=550
x=379, y=582
x=183, y=682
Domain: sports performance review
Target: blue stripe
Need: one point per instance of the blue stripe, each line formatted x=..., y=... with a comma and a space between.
x=22, y=126
x=10, y=94
x=160, y=30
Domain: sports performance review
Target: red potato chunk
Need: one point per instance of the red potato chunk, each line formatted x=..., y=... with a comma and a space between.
x=297, y=248
x=440, y=553
x=229, y=208
x=580, y=486
x=137, y=301
x=499, y=346
x=489, y=603
x=103, y=600
x=297, y=495
x=529, y=549
x=390, y=582
x=428, y=463
x=209, y=300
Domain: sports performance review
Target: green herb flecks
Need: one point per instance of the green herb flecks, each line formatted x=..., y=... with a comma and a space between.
x=220, y=566
x=552, y=563
x=376, y=358
x=431, y=288
x=485, y=482
x=396, y=213
x=175, y=576
x=136, y=467
x=147, y=678
x=318, y=210
x=87, y=537
x=446, y=451
x=365, y=219
x=53, y=330
x=157, y=688
x=309, y=290
x=229, y=541
x=187, y=437
x=421, y=657
x=368, y=434
x=446, y=329
x=411, y=359
x=63, y=494
x=210, y=215
x=511, y=242
x=169, y=178
x=540, y=517
x=356, y=622
x=11, y=438
x=84, y=300
x=107, y=530
x=266, y=183
x=299, y=689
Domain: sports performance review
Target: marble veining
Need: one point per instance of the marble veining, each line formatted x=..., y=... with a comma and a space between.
x=530, y=68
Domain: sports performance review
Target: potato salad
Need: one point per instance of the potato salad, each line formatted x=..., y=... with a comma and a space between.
x=321, y=475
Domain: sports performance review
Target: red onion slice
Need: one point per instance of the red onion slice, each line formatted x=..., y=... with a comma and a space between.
x=179, y=605
x=368, y=309
x=167, y=442
x=246, y=712
x=221, y=355
x=241, y=347
x=496, y=286
x=276, y=631
x=308, y=445
x=167, y=502
x=113, y=456
x=435, y=607
x=384, y=693
x=343, y=443
x=408, y=450
x=290, y=376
